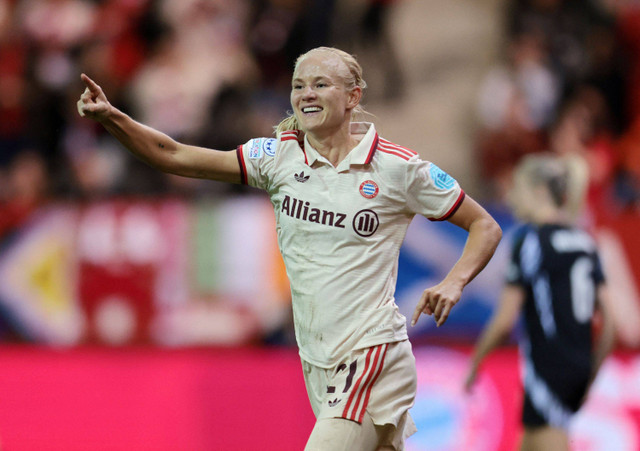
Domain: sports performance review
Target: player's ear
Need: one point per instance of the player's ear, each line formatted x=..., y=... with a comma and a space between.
x=354, y=97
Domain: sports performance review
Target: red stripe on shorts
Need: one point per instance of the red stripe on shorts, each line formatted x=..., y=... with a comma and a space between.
x=373, y=381
x=355, y=388
x=369, y=375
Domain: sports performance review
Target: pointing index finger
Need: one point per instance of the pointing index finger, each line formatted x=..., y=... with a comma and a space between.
x=93, y=87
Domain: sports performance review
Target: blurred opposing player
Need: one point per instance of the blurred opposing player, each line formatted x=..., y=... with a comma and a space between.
x=343, y=199
x=555, y=275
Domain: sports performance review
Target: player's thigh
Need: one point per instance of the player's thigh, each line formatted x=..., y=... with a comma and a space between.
x=545, y=438
x=339, y=434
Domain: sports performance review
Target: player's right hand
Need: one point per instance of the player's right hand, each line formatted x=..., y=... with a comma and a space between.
x=93, y=103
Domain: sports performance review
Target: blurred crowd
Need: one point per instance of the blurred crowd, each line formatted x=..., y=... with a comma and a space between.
x=217, y=72
x=568, y=82
x=207, y=72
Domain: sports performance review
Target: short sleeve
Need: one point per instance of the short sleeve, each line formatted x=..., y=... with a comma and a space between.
x=514, y=274
x=598, y=273
x=257, y=161
x=431, y=192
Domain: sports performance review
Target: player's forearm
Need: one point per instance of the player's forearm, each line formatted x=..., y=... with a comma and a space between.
x=151, y=146
x=489, y=340
x=483, y=239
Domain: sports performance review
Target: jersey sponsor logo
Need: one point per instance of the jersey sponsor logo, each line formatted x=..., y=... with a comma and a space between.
x=255, y=149
x=269, y=146
x=301, y=177
x=335, y=402
x=300, y=209
x=441, y=179
x=365, y=223
x=369, y=189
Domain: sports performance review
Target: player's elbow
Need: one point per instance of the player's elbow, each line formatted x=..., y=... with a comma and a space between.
x=491, y=231
x=495, y=231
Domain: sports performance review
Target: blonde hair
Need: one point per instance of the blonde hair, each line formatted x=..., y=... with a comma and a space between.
x=565, y=177
x=352, y=81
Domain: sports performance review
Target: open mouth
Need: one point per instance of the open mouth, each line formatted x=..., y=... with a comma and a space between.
x=311, y=109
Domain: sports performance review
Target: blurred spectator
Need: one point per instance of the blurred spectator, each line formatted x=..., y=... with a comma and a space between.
x=583, y=129
x=517, y=101
x=628, y=182
x=565, y=26
x=13, y=116
x=204, y=50
x=566, y=87
x=628, y=186
x=23, y=188
x=377, y=44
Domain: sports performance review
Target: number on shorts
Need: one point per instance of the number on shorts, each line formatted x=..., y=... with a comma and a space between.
x=352, y=372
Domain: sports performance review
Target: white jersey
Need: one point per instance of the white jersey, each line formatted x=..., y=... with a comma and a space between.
x=340, y=230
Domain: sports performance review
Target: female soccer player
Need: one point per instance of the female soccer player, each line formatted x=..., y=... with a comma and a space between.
x=556, y=277
x=343, y=199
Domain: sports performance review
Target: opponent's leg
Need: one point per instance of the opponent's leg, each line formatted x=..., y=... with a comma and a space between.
x=545, y=438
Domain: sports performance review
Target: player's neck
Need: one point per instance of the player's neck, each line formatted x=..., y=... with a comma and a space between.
x=333, y=146
x=547, y=214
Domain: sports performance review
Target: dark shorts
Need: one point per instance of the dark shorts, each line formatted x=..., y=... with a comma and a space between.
x=551, y=398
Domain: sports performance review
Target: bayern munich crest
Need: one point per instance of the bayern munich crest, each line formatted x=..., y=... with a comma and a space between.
x=369, y=189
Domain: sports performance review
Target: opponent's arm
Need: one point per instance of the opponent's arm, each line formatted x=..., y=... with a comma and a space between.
x=154, y=147
x=606, y=339
x=501, y=323
x=484, y=236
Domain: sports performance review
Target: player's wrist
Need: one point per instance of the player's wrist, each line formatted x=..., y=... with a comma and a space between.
x=111, y=116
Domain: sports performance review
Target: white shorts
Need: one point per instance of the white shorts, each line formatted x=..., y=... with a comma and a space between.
x=380, y=380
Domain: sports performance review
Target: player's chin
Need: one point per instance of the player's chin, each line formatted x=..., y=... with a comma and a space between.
x=309, y=122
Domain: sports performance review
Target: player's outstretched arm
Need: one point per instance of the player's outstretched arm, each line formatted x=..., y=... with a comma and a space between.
x=153, y=147
x=484, y=236
x=501, y=324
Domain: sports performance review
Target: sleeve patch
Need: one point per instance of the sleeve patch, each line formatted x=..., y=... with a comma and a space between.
x=441, y=179
x=255, y=149
x=269, y=146
x=262, y=146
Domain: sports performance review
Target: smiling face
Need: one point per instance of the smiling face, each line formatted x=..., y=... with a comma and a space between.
x=321, y=101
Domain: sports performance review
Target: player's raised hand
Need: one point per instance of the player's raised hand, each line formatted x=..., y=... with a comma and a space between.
x=93, y=103
x=437, y=301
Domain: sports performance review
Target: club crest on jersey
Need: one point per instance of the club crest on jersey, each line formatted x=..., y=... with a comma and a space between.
x=441, y=179
x=369, y=189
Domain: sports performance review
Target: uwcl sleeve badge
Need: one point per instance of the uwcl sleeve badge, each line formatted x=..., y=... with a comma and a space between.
x=260, y=146
x=441, y=179
x=255, y=149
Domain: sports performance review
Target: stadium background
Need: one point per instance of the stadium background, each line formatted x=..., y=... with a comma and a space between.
x=144, y=311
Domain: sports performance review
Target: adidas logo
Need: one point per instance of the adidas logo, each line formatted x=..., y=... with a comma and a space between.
x=301, y=177
x=335, y=402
